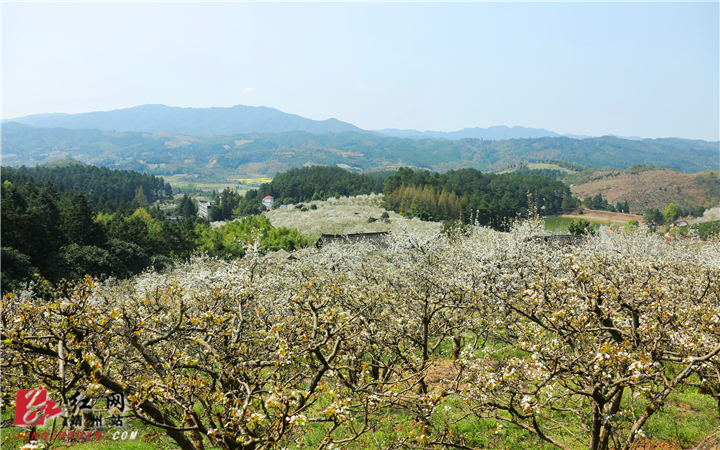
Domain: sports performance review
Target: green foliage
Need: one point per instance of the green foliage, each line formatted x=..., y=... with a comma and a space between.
x=454, y=229
x=17, y=269
x=230, y=240
x=58, y=235
x=468, y=194
x=141, y=197
x=208, y=155
x=80, y=260
x=95, y=181
x=654, y=217
x=318, y=183
x=638, y=168
x=707, y=229
x=699, y=211
x=570, y=202
x=187, y=207
x=672, y=212
x=79, y=225
x=597, y=202
x=581, y=227
x=130, y=256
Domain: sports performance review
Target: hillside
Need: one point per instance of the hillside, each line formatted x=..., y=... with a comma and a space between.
x=653, y=188
x=262, y=154
x=347, y=215
x=189, y=121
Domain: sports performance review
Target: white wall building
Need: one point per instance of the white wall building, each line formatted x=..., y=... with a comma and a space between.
x=204, y=208
x=268, y=201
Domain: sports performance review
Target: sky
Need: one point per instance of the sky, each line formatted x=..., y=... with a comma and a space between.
x=630, y=69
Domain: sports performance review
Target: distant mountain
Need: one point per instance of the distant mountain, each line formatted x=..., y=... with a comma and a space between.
x=268, y=153
x=189, y=121
x=629, y=138
x=496, y=133
x=242, y=119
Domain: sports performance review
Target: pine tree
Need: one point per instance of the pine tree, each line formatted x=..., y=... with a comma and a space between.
x=79, y=226
x=141, y=197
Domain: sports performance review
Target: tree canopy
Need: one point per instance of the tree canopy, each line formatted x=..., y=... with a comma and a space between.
x=319, y=183
x=470, y=195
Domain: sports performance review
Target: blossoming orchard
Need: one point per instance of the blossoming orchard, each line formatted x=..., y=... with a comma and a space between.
x=431, y=341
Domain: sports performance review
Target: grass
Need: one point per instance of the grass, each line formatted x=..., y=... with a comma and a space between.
x=343, y=216
x=686, y=418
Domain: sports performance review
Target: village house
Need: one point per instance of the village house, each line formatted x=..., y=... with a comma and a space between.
x=268, y=201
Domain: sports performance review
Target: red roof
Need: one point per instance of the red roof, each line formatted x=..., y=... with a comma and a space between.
x=269, y=196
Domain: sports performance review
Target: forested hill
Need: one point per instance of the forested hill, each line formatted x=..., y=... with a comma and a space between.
x=95, y=181
x=190, y=121
x=269, y=153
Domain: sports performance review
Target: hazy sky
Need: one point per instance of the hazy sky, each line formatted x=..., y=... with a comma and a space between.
x=643, y=69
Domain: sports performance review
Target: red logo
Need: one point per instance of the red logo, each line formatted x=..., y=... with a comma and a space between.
x=32, y=407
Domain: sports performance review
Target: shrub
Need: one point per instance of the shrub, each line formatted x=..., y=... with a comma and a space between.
x=581, y=227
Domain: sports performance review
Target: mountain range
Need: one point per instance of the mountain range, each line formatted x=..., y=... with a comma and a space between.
x=265, y=154
x=248, y=119
x=189, y=121
x=496, y=133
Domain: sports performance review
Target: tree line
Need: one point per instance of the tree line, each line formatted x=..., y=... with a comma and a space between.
x=655, y=217
x=470, y=195
x=318, y=183
x=60, y=237
x=205, y=155
x=598, y=202
x=95, y=181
